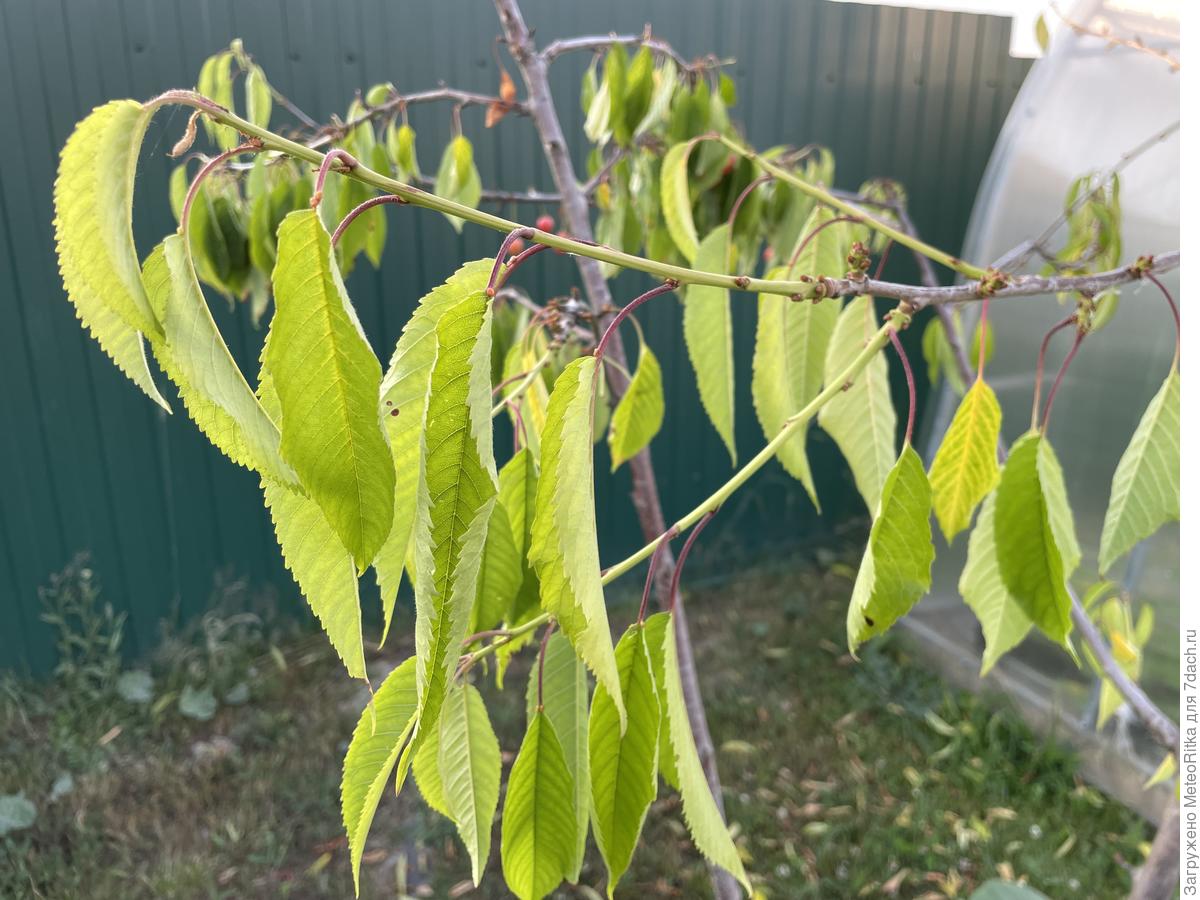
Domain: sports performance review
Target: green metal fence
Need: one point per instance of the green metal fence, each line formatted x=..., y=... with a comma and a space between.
x=87, y=463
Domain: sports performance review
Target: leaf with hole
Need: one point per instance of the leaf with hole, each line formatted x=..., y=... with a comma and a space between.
x=896, y=566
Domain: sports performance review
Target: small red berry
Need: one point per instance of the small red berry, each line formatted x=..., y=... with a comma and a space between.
x=545, y=223
x=516, y=246
x=768, y=253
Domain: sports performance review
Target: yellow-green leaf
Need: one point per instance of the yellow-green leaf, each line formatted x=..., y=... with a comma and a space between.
x=677, y=200
x=501, y=572
x=655, y=625
x=327, y=378
x=639, y=414
x=469, y=765
x=93, y=215
x=196, y=357
x=565, y=701
x=790, y=343
x=382, y=730
x=404, y=398
x=1035, y=536
x=537, y=829
x=1001, y=617
x=456, y=492
x=1145, y=487
x=258, y=97
x=623, y=766
x=563, y=547
x=861, y=419
x=700, y=812
x=965, y=470
x=895, y=569
x=708, y=332
x=315, y=556
x=458, y=178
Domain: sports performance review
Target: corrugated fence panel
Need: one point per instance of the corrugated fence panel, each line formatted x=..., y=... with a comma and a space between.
x=89, y=464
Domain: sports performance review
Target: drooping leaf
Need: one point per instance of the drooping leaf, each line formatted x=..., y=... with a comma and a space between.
x=518, y=495
x=327, y=378
x=565, y=701
x=655, y=626
x=639, y=413
x=382, y=730
x=790, y=343
x=616, y=67
x=458, y=178
x=1035, y=536
x=469, y=764
x=404, y=397
x=708, y=331
x=700, y=812
x=677, y=200
x=965, y=470
x=427, y=772
x=93, y=214
x=455, y=495
x=258, y=97
x=402, y=148
x=639, y=86
x=195, y=357
x=216, y=83
x=939, y=356
x=500, y=573
x=861, y=419
x=537, y=828
x=315, y=556
x=563, y=547
x=1001, y=617
x=896, y=566
x=623, y=766
x=1145, y=487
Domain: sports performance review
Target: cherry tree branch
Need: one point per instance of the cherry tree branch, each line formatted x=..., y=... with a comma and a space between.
x=598, y=42
x=1154, y=719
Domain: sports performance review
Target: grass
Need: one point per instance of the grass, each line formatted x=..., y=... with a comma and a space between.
x=843, y=778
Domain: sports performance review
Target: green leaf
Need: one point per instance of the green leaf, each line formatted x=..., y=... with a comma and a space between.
x=939, y=356
x=565, y=701
x=402, y=148
x=655, y=626
x=1035, y=537
x=861, y=419
x=562, y=545
x=1165, y=771
x=404, y=398
x=639, y=414
x=995, y=889
x=965, y=470
x=500, y=573
x=708, y=332
x=456, y=492
x=469, y=763
x=677, y=200
x=790, y=343
x=616, y=65
x=623, y=766
x=196, y=358
x=1145, y=487
x=258, y=97
x=93, y=215
x=216, y=83
x=639, y=85
x=596, y=124
x=895, y=569
x=537, y=828
x=427, y=772
x=518, y=496
x=458, y=178
x=1003, y=621
x=315, y=556
x=666, y=81
x=327, y=378
x=700, y=811
x=382, y=730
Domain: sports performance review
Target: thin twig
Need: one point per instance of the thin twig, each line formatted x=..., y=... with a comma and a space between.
x=912, y=385
x=687, y=548
x=1040, y=371
x=359, y=210
x=1062, y=372
x=626, y=310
